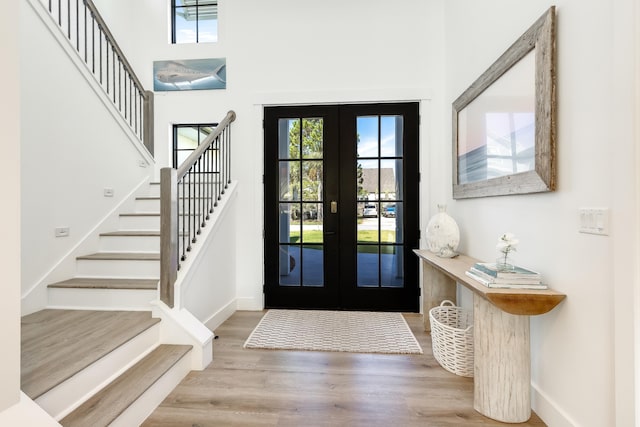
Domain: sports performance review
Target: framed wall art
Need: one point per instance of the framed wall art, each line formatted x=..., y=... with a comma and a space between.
x=190, y=74
x=504, y=123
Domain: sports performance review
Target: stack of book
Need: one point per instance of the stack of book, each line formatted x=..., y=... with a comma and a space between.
x=517, y=278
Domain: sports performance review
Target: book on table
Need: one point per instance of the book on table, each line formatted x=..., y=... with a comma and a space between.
x=533, y=280
x=514, y=284
x=517, y=272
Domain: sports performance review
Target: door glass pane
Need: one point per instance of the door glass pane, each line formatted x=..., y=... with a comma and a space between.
x=312, y=178
x=289, y=180
x=313, y=265
x=391, y=136
x=367, y=179
x=312, y=227
x=367, y=131
x=368, y=266
x=391, y=179
x=289, y=138
x=368, y=226
x=301, y=224
x=289, y=223
x=391, y=266
x=312, y=138
x=289, y=265
x=390, y=223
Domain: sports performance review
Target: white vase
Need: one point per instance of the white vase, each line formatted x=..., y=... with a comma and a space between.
x=443, y=234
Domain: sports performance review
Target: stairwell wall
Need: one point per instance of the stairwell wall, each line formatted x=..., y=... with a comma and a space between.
x=72, y=149
x=10, y=215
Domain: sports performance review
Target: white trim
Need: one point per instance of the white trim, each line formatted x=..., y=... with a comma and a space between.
x=219, y=317
x=636, y=273
x=342, y=96
x=553, y=414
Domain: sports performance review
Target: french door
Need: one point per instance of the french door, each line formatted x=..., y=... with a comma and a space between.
x=341, y=207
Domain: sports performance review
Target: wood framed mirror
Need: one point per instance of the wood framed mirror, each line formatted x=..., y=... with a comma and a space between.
x=504, y=124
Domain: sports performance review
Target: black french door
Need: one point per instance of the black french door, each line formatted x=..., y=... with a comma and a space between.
x=341, y=207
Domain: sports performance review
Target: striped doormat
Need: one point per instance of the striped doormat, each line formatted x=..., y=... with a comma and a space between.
x=348, y=331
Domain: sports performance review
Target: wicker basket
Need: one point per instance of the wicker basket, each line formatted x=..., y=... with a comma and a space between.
x=452, y=338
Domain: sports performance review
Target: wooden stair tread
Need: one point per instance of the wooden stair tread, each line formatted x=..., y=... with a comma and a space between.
x=106, y=405
x=133, y=233
x=125, y=256
x=106, y=283
x=56, y=344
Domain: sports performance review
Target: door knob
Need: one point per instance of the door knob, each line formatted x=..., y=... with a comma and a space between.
x=334, y=207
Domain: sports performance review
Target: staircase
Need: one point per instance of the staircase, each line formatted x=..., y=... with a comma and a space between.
x=124, y=273
x=96, y=359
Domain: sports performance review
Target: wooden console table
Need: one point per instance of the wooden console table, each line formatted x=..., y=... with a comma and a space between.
x=502, y=361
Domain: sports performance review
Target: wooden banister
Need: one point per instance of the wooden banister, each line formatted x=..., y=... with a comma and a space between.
x=188, y=195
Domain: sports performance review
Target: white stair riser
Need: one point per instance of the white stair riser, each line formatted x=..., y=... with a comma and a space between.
x=139, y=222
x=144, y=222
x=101, y=299
x=130, y=243
x=118, y=268
x=153, y=190
x=143, y=407
x=68, y=395
x=147, y=205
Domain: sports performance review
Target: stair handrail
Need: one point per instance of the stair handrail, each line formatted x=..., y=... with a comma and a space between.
x=136, y=111
x=187, y=196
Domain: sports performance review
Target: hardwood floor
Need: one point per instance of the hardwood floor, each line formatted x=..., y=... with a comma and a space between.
x=299, y=388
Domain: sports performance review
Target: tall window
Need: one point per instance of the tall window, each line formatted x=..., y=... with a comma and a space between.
x=186, y=138
x=194, y=21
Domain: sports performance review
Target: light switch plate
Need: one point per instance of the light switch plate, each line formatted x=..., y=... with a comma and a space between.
x=594, y=221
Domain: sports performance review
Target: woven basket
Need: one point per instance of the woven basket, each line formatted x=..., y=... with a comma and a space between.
x=452, y=338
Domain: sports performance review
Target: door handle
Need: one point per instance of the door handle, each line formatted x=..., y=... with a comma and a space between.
x=329, y=233
x=334, y=207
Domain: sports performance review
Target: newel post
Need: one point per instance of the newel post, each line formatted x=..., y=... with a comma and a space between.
x=147, y=137
x=168, y=234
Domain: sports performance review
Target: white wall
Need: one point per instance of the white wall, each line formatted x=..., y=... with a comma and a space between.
x=10, y=214
x=283, y=52
x=209, y=289
x=287, y=51
x=72, y=148
x=573, y=346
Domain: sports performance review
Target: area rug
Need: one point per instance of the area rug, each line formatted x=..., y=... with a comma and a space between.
x=347, y=331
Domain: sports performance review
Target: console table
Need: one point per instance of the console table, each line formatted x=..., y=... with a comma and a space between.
x=502, y=361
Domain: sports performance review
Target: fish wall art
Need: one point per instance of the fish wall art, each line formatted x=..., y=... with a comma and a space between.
x=190, y=74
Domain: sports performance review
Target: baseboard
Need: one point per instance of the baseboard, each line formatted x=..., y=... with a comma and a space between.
x=249, y=304
x=216, y=319
x=548, y=410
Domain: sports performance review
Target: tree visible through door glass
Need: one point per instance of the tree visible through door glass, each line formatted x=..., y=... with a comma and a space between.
x=301, y=166
x=379, y=199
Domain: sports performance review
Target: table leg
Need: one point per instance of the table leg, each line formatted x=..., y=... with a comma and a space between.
x=502, y=363
x=436, y=287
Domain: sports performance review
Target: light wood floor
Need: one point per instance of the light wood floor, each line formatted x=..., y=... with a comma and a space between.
x=297, y=388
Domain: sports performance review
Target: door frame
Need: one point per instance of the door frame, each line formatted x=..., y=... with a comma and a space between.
x=418, y=166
